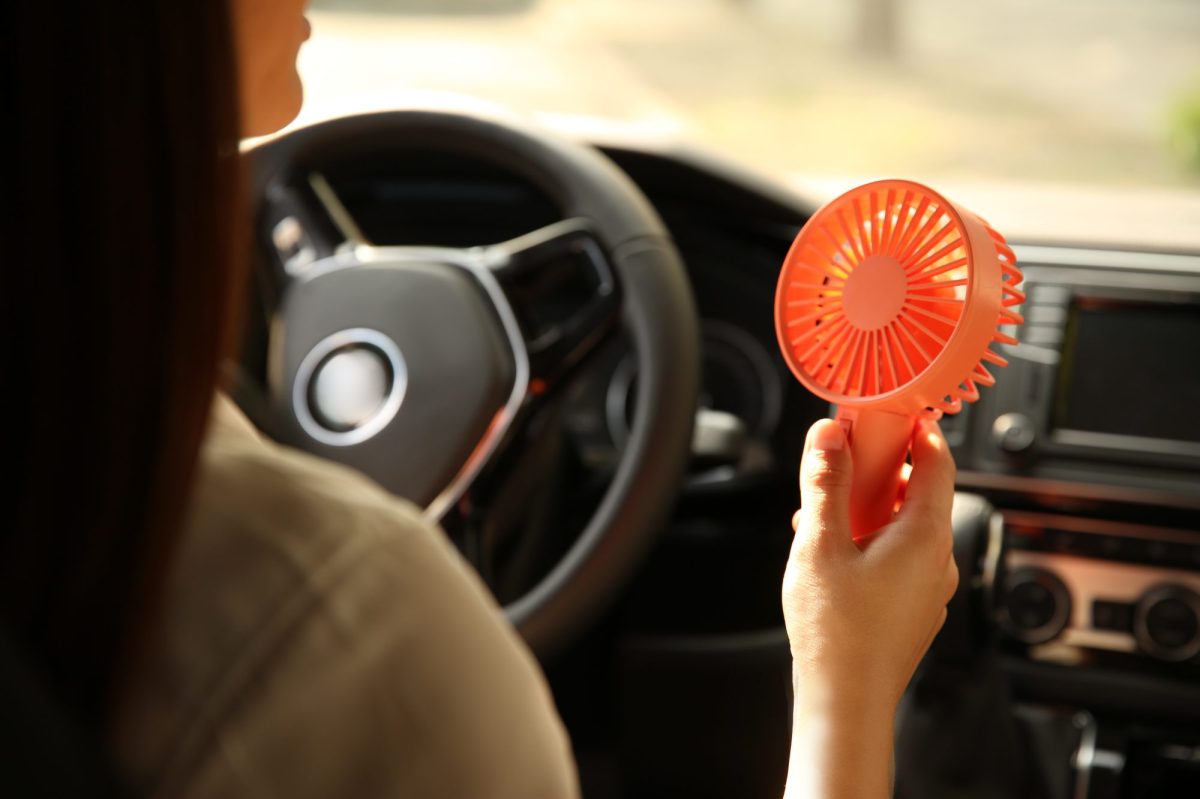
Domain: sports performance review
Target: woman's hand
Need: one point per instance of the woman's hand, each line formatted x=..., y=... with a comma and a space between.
x=859, y=620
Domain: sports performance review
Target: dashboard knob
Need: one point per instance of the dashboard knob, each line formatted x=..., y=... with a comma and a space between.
x=1166, y=623
x=1036, y=605
x=1014, y=433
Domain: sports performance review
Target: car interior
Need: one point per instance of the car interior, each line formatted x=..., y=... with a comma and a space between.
x=578, y=324
x=1069, y=663
x=561, y=345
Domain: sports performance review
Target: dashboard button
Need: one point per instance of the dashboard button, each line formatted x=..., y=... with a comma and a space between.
x=1064, y=541
x=1014, y=433
x=1158, y=553
x=1113, y=616
x=1014, y=540
x=1167, y=623
x=1122, y=548
x=1110, y=546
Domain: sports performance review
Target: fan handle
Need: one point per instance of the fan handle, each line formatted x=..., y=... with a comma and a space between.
x=879, y=443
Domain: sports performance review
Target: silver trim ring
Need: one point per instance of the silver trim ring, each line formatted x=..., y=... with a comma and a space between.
x=387, y=410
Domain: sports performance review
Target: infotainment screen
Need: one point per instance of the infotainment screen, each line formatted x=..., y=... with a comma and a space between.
x=1131, y=369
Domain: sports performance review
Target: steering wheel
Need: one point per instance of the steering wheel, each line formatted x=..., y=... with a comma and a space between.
x=425, y=367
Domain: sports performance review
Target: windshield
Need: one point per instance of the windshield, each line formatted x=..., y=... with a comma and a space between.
x=1086, y=93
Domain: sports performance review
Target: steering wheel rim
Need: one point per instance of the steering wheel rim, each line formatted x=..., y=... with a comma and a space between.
x=657, y=311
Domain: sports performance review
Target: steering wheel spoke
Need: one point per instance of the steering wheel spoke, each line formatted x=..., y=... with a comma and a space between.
x=564, y=293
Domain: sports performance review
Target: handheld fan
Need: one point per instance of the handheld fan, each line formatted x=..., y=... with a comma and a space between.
x=887, y=304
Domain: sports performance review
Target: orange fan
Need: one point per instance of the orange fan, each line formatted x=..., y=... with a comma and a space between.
x=886, y=305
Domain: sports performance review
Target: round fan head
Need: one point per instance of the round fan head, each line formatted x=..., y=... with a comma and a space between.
x=890, y=297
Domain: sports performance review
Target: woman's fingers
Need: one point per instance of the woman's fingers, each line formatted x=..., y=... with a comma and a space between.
x=826, y=471
x=930, y=488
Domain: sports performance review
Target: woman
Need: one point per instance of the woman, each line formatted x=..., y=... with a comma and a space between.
x=235, y=619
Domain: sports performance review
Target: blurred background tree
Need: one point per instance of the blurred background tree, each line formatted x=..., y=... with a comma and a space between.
x=879, y=28
x=1185, y=127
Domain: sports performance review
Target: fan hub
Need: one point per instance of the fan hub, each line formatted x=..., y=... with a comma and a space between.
x=875, y=292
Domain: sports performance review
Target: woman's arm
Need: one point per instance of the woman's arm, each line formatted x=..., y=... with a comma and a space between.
x=840, y=748
x=859, y=620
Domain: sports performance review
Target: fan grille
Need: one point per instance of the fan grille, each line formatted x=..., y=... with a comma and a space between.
x=873, y=290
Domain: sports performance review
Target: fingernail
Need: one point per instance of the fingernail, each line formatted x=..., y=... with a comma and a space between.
x=829, y=436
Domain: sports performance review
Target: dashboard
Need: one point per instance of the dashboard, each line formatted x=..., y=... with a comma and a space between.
x=1094, y=434
x=1086, y=452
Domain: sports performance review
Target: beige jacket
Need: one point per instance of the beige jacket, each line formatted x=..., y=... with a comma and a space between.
x=321, y=639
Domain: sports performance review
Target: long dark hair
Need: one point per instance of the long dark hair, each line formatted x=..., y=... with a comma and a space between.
x=119, y=281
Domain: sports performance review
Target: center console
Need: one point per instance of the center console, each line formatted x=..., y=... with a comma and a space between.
x=1100, y=585
x=1089, y=449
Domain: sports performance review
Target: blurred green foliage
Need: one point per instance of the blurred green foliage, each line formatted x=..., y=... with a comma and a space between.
x=1184, y=128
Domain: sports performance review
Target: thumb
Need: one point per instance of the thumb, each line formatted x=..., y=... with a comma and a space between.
x=826, y=470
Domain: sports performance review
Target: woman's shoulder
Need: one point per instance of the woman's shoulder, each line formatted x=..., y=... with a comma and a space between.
x=249, y=487
x=319, y=633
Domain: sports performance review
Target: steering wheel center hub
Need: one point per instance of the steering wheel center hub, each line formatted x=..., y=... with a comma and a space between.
x=348, y=329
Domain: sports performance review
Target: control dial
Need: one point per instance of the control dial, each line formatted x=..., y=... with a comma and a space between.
x=1036, y=605
x=1166, y=623
x=1014, y=433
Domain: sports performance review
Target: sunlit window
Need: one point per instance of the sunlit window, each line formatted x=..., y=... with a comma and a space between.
x=1080, y=92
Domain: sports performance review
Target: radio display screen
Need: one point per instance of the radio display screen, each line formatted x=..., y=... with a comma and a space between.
x=1131, y=369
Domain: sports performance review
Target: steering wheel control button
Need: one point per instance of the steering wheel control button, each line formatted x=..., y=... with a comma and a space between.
x=1167, y=623
x=349, y=387
x=1014, y=433
x=1036, y=606
x=295, y=251
x=1112, y=616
